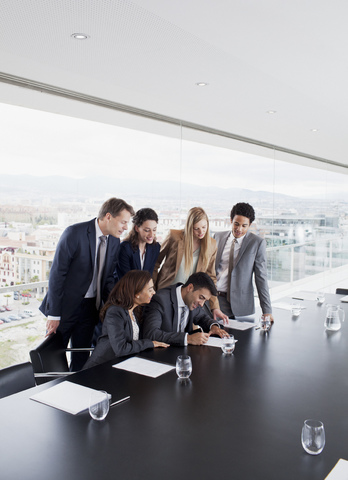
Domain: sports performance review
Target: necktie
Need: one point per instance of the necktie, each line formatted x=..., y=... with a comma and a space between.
x=182, y=319
x=100, y=266
x=230, y=267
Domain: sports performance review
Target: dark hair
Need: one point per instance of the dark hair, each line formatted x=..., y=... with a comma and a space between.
x=243, y=209
x=139, y=218
x=201, y=280
x=114, y=206
x=125, y=290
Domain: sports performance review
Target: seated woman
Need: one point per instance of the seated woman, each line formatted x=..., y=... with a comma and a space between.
x=120, y=332
x=188, y=251
x=139, y=250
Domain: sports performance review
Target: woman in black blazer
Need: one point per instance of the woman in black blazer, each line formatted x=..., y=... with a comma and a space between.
x=139, y=250
x=120, y=331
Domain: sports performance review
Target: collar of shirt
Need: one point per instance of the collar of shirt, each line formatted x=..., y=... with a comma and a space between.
x=239, y=240
x=98, y=232
x=181, y=302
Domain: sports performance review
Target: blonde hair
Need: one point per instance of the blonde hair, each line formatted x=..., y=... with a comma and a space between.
x=195, y=215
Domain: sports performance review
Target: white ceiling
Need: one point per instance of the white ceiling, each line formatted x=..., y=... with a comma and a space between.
x=255, y=55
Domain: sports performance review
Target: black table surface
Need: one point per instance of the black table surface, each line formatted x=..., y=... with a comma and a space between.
x=238, y=416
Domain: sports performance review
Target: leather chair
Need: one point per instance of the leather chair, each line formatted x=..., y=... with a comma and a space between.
x=49, y=358
x=341, y=291
x=16, y=378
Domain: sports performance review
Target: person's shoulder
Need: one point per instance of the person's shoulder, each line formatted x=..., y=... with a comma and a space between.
x=125, y=246
x=177, y=234
x=219, y=235
x=116, y=310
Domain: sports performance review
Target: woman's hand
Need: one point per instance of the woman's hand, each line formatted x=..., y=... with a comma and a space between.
x=159, y=344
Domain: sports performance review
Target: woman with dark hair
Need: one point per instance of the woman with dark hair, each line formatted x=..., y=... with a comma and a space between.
x=120, y=332
x=139, y=250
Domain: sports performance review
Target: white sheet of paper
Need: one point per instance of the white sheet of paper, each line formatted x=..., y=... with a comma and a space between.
x=304, y=296
x=344, y=299
x=238, y=325
x=66, y=396
x=340, y=471
x=285, y=306
x=144, y=367
x=214, y=342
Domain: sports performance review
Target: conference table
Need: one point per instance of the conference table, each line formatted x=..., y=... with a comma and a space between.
x=238, y=416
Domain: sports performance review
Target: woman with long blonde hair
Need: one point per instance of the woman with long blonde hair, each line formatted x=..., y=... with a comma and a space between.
x=188, y=251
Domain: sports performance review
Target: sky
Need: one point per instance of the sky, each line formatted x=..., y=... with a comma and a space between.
x=40, y=143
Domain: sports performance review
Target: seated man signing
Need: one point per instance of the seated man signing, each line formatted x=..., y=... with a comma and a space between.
x=173, y=310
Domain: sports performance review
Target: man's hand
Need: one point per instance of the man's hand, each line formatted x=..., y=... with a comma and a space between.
x=197, y=338
x=215, y=330
x=270, y=316
x=51, y=326
x=217, y=313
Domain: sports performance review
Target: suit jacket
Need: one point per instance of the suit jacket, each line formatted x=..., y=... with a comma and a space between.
x=251, y=260
x=72, y=270
x=172, y=253
x=160, y=318
x=117, y=338
x=129, y=259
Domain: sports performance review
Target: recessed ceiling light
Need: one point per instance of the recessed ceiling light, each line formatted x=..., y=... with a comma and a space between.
x=80, y=36
x=201, y=84
x=271, y=112
x=314, y=130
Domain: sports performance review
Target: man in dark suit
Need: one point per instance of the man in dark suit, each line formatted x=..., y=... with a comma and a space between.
x=240, y=256
x=81, y=275
x=173, y=310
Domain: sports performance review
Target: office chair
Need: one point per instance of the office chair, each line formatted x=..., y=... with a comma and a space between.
x=49, y=358
x=16, y=378
x=341, y=291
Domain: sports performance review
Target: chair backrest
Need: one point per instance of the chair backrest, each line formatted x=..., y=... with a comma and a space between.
x=341, y=291
x=16, y=378
x=49, y=356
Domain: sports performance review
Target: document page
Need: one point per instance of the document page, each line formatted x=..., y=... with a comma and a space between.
x=340, y=471
x=237, y=325
x=214, y=342
x=66, y=396
x=144, y=367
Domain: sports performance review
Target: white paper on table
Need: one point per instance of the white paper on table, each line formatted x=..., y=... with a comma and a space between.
x=286, y=306
x=344, y=299
x=144, y=367
x=214, y=342
x=304, y=296
x=340, y=471
x=238, y=325
x=67, y=396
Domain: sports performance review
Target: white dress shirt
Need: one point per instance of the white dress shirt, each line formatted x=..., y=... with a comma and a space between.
x=222, y=272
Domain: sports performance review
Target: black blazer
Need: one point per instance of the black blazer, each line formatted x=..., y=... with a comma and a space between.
x=129, y=259
x=160, y=318
x=116, y=339
x=72, y=270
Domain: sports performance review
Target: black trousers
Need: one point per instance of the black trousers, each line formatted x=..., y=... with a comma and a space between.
x=79, y=329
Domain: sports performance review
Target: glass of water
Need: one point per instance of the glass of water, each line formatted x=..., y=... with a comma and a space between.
x=313, y=437
x=265, y=322
x=183, y=366
x=295, y=309
x=320, y=297
x=228, y=344
x=99, y=404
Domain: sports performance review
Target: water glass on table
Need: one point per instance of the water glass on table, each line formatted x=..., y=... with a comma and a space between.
x=183, y=366
x=265, y=323
x=228, y=344
x=99, y=404
x=313, y=437
x=295, y=309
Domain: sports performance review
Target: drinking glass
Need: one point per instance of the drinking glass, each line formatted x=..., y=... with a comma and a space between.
x=265, y=322
x=99, y=404
x=334, y=317
x=183, y=366
x=320, y=297
x=228, y=344
x=295, y=309
x=313, y=437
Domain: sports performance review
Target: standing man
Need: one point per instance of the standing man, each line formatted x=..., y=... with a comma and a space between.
x=81, y=276
x=240, y=255
x=173, y=310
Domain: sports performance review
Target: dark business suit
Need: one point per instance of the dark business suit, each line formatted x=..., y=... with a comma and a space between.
x=70, y=277
x=117, y=338
x=160, y=318
x=129, y=259
x=251, y=260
